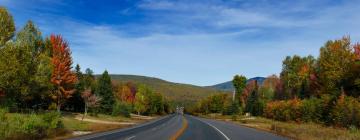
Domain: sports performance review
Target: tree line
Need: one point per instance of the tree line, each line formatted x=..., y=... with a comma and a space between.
x=36, y=73
x=324, y=90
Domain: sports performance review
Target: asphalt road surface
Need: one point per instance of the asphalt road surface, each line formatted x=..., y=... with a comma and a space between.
x=184, y=128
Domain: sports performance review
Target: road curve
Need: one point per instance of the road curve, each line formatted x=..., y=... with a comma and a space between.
x=231, y=131
x=197, y=129
x=160, y=129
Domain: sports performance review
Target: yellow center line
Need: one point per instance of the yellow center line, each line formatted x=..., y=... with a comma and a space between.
x=181, y=130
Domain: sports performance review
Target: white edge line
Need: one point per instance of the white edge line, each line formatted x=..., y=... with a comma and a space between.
x=129, y=138
x=227, y=138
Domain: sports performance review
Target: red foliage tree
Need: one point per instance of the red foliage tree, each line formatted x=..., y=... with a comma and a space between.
x=90, y=100
x=62, y=77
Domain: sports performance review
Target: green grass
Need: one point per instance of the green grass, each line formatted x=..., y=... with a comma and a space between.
x=29, y=126
x=72, y=124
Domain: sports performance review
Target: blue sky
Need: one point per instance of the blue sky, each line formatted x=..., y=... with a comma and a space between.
x=201, y=42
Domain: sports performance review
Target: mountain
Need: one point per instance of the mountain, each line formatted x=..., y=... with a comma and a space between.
x=228, y=86
x=174, y=91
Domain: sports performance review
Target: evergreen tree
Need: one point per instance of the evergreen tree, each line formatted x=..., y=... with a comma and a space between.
x=76, y=102
x=104, y=90
x=254, y=104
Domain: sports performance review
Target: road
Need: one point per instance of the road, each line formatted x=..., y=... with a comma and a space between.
x=184, y=128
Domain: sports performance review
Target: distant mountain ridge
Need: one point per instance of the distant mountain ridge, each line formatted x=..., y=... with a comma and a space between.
x=228, y=86
x=174, y=91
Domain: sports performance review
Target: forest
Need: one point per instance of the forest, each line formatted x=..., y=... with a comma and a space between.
x=321, y=90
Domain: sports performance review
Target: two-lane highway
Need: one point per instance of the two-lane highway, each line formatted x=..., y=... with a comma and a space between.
x=184, y=128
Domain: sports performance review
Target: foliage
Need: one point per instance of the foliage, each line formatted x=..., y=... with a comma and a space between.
x=75, y=102
x=149, y=102
x=126, y=93
x=346, y=112
x=283, y=110
x=296, y=72
x=254, y=103
x=62, y=77
x=90, y=100
x=334, y=62
x=217, y=103
x=123, y=109
x=185, y=94
x=231, y=108
x=105, y=91
x=312, y=110
x=7, y=27
x=32, y=126
x=239, y=83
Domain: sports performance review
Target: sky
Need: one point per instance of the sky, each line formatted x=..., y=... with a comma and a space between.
x=200, y=42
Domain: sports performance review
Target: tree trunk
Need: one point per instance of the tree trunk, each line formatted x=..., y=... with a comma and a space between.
x=85, y=112
x=58, y=106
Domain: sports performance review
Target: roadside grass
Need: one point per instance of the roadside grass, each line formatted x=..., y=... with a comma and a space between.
x=51, y=125
x=293, y=130
x=29, y=126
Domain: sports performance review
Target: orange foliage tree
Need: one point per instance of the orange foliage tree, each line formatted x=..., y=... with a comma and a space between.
x=126, y=93
x=62, y=77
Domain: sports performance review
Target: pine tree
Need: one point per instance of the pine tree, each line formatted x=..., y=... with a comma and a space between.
x=104, y=90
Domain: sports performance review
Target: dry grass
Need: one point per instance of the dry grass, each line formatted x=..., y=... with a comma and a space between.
x=71, y=124
x=299, y=131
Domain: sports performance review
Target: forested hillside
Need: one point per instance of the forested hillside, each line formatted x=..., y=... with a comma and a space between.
x=173, y=91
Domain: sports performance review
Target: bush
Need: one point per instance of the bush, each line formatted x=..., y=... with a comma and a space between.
x=33, y=126
x=311, y=110
x=53, y=120
x=122, y=109
x=284, y=110
x=346, y=112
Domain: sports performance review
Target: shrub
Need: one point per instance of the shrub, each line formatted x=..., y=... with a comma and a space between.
x=53, y=120
x=346, y=113
x=284, y=110
x=33, y=126
x=311, y=110
x=122, y=109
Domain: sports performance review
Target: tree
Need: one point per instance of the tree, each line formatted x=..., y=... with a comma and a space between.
x=125, y=94
x=76, y=102
x=90, y=100
x=7, y=27
x=268, y=88
x=104, y=90
x=89, y=78
x=62, y=77
x=31, y=44
x=334, y=62
x=352, y=78
x=12, y=73
x=140, y=101
x=254, y=103
x=295, y=75
x=239, y=83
